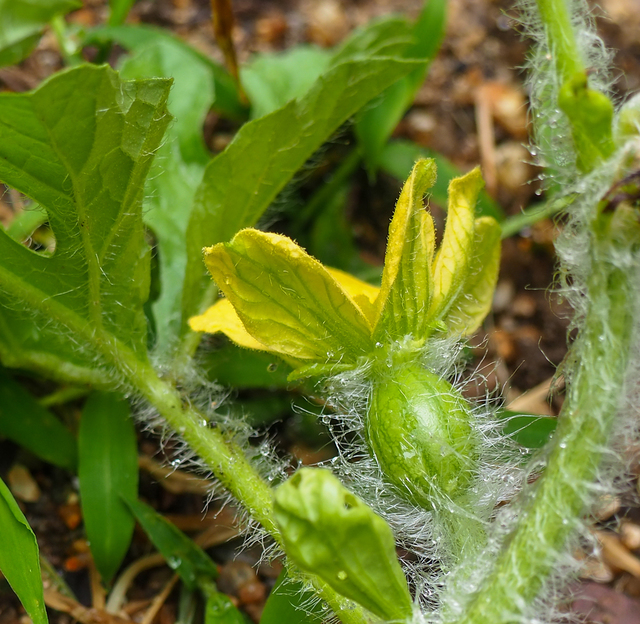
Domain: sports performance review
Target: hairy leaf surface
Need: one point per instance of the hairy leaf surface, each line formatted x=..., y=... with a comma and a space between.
x=84, y=160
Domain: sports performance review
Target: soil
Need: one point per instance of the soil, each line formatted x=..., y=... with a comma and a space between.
x=523, y=340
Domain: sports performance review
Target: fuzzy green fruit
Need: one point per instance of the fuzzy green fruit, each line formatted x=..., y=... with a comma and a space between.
x=419, y=430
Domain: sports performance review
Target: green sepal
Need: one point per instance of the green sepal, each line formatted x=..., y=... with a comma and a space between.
x=591, y=116
x=287, y=300
x=328, y=531
x=405, y=293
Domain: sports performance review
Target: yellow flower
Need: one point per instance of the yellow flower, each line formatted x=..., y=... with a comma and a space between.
x=281, y=300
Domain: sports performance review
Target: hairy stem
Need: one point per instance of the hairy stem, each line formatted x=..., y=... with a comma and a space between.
x=562, y=41
x=597, y=383
x=222, y=455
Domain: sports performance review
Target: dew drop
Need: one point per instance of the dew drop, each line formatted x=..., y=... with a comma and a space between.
x=342, y=575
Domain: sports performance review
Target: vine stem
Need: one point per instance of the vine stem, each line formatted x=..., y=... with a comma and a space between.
x=222, y=455
x=550, y=515
x=561, y=37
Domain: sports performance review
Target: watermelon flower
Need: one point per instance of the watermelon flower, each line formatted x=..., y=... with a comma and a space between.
x=323, y=321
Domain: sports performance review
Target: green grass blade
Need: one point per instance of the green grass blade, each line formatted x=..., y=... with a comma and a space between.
x=181, y=553
x=26, y=422
x=377, y=122
x=19, y=559
x=107, y=470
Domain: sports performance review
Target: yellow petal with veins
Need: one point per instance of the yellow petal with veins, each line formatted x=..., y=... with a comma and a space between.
x=221, y=317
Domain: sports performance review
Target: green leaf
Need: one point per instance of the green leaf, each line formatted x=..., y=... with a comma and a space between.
x=291, y=602
x=26, y=422
x=405, y=293
x=24, y=224
x=220, y=610
x=270, y=80
x=19, y=558
x=240, y=183
x=287, y=300
x=398, y=158
x=529, y=430
x=119, y=9
x=328, y=531
x=84, y=159
x=242, y=368
x=180, y=553
x=377, y=122
x=473, y=303
x=134, y=38
x=177, y=169
x=22, y=23
x=591, y=116
x=107, y=471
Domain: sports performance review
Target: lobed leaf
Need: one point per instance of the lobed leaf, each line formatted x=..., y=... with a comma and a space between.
x=84, y=160
x=287, y=300
x=107, y=471
x=26, y=422
x=177, y=169
x=399, y=156
x=405, y=293
x=181, y=553
x=19, y=558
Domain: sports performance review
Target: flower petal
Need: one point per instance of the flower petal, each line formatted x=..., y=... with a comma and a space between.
x=221, y=317
x=406, y=280
x=473, y=303
x=451, y=265
x=287, y=300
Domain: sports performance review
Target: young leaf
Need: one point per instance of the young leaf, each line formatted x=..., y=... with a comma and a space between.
x=406, y=288
x=328, y=531
x=84, y=159
x=291, y=602
x=107, y=470
x=529, y=430
x=181, y=553
x=177, y=169
x=473, y=303
x=240, y=183
x=271, y=80
x=138, y=37
x=19, y=558
x=22, y=23
x=287, y=300
x=26, y=422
